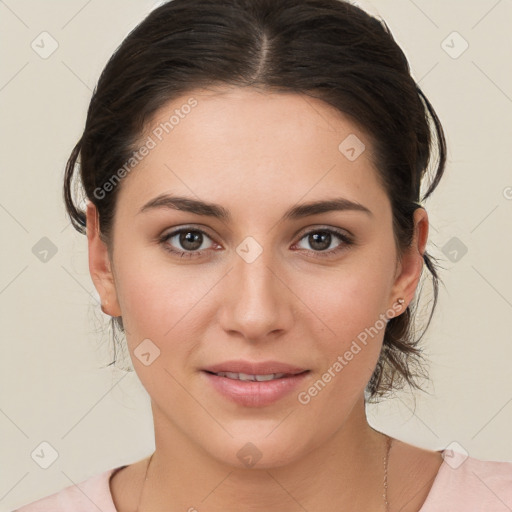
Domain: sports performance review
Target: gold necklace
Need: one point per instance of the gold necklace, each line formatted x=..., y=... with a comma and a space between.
x=389, y=440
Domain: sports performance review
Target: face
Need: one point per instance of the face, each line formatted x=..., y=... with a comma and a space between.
x=308, y=289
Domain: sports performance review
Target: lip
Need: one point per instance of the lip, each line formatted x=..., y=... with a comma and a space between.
x=254, y=367
x=253, y=393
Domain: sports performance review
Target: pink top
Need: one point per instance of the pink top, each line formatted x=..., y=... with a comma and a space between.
x=461, y=485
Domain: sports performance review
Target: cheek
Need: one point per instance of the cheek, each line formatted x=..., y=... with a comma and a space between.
x=351, y=305
x=156, y=296
x=158, y=303
x=347, y=302
x=349, y=355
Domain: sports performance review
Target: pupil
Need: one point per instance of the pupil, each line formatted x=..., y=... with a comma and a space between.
x=189, y=240
x=320, y=239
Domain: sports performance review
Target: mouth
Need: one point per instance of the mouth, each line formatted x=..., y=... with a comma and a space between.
x=255, y=377
x=257, y=387
x=237, y=368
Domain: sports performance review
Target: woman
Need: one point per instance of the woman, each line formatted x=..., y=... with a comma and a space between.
x=252, y=171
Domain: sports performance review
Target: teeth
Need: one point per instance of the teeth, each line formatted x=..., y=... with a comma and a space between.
x=245, y=376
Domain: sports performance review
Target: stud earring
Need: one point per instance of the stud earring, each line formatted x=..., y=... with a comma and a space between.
x=400, y=301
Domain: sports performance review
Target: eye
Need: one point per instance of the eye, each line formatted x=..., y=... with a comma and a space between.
x=190, y=240
x=321, y=241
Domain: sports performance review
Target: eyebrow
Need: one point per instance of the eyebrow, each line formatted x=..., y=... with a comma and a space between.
x=197, y=207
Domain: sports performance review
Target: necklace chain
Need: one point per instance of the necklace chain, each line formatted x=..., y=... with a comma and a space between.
x=389, y=440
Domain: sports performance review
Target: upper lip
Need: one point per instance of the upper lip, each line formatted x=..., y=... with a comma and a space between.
x=254, y=368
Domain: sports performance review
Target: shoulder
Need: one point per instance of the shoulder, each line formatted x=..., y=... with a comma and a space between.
x=467, y=483
x=90, y=495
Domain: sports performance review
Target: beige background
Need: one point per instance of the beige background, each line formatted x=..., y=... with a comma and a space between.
x=52, y=387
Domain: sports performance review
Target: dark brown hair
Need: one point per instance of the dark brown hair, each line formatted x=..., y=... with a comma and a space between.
x=327, y=49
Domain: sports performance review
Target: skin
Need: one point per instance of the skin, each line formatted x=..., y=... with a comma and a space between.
x=257, y=154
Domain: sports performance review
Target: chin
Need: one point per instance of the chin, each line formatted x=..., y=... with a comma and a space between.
x=246, y=452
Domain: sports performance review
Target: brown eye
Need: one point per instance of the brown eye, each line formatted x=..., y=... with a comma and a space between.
x=324, y=241
x=320, y=241
x=190, y=240
x=185, y=242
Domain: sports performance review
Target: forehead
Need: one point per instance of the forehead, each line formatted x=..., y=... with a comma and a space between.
x=238, y=145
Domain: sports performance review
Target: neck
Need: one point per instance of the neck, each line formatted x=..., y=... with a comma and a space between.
x=344, y=473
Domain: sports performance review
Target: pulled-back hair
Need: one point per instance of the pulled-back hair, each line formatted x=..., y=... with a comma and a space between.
x=327, y=49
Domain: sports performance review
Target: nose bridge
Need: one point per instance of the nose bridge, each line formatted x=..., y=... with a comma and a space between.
x=253, y=272
x=259, y=303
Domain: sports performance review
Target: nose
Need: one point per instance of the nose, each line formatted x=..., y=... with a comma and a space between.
x=257, y=303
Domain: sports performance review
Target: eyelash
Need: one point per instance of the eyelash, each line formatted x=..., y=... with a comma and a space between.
x=347, y=242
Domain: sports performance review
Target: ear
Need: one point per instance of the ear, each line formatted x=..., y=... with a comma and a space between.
x=100, y=265
x=409, y=269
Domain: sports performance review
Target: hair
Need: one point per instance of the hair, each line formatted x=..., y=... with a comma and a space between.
x=327, y=49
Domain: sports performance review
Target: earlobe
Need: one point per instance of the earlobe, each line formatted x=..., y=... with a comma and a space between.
x=99, y=264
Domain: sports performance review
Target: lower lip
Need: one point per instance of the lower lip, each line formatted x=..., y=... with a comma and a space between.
x=253, y=393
